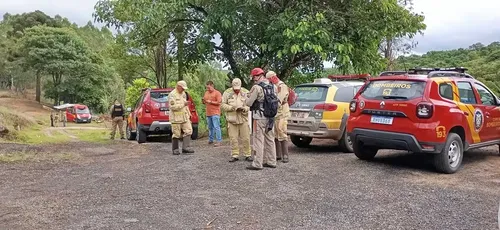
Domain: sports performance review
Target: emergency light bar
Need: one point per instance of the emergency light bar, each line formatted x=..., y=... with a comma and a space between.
x=349, y=77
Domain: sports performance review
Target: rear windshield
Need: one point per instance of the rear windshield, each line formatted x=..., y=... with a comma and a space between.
x=159, y=96
x=311, y=93
x=397, y=90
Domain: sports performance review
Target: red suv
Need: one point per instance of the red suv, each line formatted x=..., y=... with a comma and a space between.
x=150, y=115
x=443, y=112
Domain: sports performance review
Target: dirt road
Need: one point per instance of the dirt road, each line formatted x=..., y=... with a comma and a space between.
x=129, y=186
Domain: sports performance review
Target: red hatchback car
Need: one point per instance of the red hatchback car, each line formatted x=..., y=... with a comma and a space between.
x=150, y=116
x=442, y=112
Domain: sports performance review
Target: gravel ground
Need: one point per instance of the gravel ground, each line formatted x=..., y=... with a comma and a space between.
x=129, y=186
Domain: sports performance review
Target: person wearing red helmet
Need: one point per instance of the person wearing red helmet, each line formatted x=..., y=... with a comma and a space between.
x=280, y=125
x=263, y=134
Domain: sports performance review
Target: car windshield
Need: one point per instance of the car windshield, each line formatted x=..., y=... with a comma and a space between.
x=159, y=96
x=311, y=93
x=345, y=94
x=394, y=89
x=82, y=111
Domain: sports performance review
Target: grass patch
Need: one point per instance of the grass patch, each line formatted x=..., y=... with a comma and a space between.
x=35, y=157
x=39, y=135
x=91, y=135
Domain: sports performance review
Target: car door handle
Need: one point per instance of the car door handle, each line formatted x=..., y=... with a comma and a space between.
x=466, y=113
x=487, y=114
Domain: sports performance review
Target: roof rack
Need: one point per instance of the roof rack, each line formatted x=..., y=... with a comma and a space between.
x=349, y=77
x=432, y=72
x=448, y=74
x=455, y=69
x=393, y=73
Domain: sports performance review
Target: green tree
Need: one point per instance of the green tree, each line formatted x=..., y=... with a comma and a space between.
x=19, y=23
x=54, y=51
x=276, y=35
x=483, y=62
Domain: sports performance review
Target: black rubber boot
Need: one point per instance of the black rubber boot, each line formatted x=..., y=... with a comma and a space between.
x=186, y=145
x=175, y=146
x=284, y=151
x=278, y=149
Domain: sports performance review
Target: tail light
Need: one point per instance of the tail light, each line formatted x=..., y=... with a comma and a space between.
x=425, y=110
x=353, y=105
x=147, y=107
x=318, y=110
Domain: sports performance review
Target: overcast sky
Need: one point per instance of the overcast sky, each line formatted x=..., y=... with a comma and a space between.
x=450, y=23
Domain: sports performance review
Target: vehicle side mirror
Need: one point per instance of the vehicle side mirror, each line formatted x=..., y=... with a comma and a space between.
x=129, y=109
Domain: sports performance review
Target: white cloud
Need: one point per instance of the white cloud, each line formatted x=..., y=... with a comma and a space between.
x=453, y=24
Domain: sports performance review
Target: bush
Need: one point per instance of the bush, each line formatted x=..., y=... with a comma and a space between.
x=134, y=91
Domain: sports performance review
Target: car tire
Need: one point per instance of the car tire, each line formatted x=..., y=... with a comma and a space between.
x=449, y=160
x=301, y=142
x=194, y=135
x=345, y=143
x=130, y=135
x=141, y=135
x=364, y=152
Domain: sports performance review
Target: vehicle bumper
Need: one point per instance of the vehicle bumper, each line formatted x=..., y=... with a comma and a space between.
x=82, y=120
x=393, y=140
x=161, y=127
x=158, y=127
x=312, y=128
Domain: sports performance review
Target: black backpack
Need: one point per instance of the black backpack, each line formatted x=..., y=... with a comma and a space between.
x=271, y=102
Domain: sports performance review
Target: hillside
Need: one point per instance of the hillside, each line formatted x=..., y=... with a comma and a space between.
x=482, y=61
x=27, y=121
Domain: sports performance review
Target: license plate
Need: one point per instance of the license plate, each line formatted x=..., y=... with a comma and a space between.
x=382, y=120
x=300, y=114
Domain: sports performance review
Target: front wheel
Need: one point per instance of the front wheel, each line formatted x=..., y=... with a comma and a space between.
x=345, y=143
x=301, y=142
x=364, y=152
x=450, y=158
x=130, y=135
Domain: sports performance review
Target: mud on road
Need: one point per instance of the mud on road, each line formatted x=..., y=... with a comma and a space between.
x=124, y=185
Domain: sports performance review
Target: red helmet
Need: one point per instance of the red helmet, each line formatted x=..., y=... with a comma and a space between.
x=256, y=72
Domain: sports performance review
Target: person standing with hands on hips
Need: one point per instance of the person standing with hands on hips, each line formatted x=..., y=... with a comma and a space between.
x=180, y=119
x=212, y=100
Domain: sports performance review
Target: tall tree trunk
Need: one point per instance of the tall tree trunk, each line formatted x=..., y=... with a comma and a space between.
x=180, y=36
x=57, y=77
x=389, y=53
x=227, y=51
x=38, y=86
x=160, y=68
